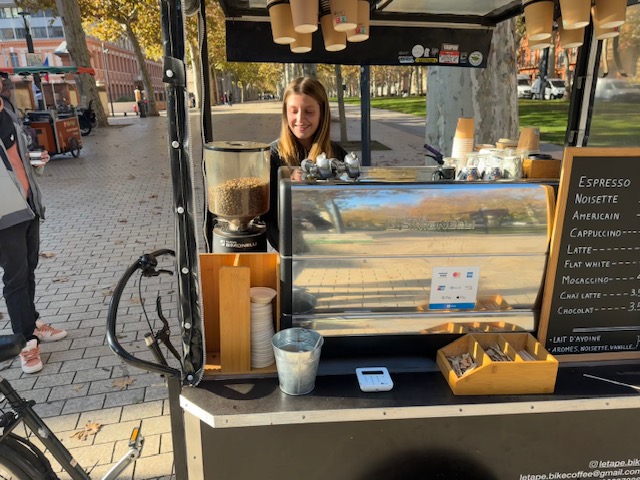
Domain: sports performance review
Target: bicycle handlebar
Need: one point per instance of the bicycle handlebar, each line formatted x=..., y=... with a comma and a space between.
x=112, y=340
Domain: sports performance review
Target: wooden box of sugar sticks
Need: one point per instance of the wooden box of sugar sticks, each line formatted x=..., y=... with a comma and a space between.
x=497, y=364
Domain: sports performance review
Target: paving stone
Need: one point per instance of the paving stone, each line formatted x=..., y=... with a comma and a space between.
x=125, y=397
x=144, y=410
x=69, y=391
x=53, y=380
x=66, y=355
x=156, y=425
x=82, y=404
x=92, y=375
x=82, y=364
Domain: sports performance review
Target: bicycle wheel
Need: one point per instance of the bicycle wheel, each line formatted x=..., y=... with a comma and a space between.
x=17, y=462
x=74, y=147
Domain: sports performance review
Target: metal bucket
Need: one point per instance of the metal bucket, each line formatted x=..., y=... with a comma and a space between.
x=297, y=352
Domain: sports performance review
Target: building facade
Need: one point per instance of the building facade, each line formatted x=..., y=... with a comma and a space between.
x=116, y=66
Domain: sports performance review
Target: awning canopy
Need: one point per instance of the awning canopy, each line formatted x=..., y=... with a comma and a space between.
x=43, y=70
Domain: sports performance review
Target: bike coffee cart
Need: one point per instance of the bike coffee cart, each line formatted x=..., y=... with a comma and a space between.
x=58, y=133
x=551, y=271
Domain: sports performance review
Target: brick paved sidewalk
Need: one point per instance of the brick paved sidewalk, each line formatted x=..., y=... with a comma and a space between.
x=104, y=209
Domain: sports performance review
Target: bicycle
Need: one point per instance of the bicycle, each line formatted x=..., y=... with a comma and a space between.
x=20, y=458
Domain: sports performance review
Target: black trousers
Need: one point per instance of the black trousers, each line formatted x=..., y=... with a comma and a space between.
x=19, y=251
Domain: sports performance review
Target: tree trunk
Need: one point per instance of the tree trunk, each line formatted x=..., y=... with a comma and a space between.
x=152, y=107
x=341, y=114
x=196, y=67
x=488, y=95
x=310, y=70
x=69, y=11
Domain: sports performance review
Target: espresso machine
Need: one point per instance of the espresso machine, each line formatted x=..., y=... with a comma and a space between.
x=237, y=175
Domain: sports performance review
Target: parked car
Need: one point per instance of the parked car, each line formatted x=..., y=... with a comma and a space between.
x=554, y=88
x=524, y=86
x=617, y=89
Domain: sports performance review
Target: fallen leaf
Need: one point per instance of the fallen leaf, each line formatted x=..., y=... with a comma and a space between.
x=47, y=254
x=131, y=177
x=140, y=241
x=142, y=201
x=136, y=300
x=77, y=388
x=118, y=242
x=122, y=220
x=122, y=383
x=91, y=428
x=153, y=196
x=60, y=279
x=107, y=293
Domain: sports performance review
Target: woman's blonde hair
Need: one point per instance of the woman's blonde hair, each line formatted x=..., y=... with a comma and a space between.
x=290, y=149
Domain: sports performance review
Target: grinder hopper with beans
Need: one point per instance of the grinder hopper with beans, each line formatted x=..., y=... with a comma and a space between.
x=238, y=193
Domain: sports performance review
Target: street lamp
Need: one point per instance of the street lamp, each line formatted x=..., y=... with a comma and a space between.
x=106, y=69
x=30, y=49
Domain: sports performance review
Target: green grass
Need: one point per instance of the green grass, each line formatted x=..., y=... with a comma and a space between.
x=550, y=116
x=612, y=124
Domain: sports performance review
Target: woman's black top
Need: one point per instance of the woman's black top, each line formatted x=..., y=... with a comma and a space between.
x=271, y=217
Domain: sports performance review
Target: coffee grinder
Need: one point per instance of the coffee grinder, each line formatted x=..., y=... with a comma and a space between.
x=237, y=175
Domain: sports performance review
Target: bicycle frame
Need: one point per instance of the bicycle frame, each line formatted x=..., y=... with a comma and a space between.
x=23, y=412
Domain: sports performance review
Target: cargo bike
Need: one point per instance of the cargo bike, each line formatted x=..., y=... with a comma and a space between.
x=56, y=131
x=520, y=417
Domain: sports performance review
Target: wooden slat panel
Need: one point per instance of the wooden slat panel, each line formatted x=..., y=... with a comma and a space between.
x=235, y=323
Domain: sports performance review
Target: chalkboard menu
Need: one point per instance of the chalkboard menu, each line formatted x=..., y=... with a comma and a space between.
x=591, y=302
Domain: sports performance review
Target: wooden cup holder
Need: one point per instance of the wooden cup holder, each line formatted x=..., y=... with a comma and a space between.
x=226, y=282
x=504, y=363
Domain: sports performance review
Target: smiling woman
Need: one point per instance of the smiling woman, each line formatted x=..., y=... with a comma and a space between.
x=304, y=133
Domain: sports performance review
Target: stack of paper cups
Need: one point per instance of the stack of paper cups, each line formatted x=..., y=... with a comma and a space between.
x=610, y=13
x=281, y=21
x=463, y=138
x=601, y=32
x=570, y=38
x=576, y=14
x=538, y=18
x=305, y=15
x=529, y=139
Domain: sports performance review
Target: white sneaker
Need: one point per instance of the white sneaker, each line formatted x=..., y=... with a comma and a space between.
x=47, y=333
x=30, y=357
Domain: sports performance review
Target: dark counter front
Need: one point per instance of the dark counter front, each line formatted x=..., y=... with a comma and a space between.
x=248, y=429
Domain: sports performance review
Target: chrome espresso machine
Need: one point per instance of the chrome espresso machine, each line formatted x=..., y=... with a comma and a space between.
x=391, y=251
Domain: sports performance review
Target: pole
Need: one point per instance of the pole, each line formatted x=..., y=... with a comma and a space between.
x=106, y=70
x=30, y=49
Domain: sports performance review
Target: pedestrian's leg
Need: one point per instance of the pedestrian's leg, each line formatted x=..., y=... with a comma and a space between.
x=17, y=291
x=33, y=255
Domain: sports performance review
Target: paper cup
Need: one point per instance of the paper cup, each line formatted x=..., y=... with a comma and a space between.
x=361, y=32
x=461, y=147
x=575, y=14
x=600, y=32
x=302, y=43
x=610, y=13
x=538, y=17
x=529, y=139
x=465, y=128
x=305, y=15
x=281, y=22
x=345, y=14
x=333, y=41
x=540, y=44
x=570, y=38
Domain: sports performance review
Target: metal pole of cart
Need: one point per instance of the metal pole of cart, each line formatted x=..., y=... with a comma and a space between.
x=189, y=315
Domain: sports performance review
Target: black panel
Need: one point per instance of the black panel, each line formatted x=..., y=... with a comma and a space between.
x=253, y=42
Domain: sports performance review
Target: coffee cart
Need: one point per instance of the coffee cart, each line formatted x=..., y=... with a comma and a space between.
x=369, y=285
x=58, y=133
